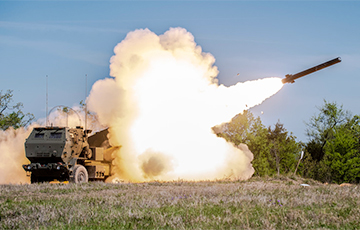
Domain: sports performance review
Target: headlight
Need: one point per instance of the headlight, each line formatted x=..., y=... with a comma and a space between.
x=28, y=167
x=58, y=167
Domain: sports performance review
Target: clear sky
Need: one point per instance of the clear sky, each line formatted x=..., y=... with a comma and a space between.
x=249, y=39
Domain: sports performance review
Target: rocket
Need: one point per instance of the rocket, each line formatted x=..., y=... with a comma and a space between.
x=290, y=78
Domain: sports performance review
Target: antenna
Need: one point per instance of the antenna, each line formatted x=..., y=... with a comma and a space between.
x=47, y=105
x=85, y=102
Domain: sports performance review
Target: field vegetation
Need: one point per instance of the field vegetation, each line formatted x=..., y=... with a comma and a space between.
x=260, y=203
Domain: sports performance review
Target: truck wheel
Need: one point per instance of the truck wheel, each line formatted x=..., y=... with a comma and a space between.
x=80, y=175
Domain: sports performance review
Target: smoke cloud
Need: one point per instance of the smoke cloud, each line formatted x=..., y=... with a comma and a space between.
x=12, y=154
x=161, y=104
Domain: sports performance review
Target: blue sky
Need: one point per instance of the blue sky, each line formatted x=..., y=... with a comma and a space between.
x=249, y=39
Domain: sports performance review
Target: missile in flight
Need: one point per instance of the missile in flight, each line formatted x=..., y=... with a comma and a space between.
x=290, y=78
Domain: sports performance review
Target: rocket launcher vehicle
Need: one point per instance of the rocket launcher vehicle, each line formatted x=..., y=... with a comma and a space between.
x=290, y=78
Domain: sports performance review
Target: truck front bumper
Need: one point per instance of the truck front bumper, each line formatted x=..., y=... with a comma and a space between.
x=48, y=166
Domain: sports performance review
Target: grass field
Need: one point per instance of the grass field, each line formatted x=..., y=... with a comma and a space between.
x=272, y=203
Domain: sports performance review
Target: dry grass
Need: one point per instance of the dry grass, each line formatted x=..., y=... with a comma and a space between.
x=270, y=203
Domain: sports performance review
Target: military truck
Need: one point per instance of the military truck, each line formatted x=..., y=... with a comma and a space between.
x=67, y=154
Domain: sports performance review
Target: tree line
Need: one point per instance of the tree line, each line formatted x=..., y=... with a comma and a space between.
x=331, y=154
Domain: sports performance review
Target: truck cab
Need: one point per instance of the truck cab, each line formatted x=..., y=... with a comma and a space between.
x=64, y=154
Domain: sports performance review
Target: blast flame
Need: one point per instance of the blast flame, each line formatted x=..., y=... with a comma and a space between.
x=162, y=103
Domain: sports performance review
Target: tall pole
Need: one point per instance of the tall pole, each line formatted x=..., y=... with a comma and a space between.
x=85, y=102
x=301, y=157
x=47, y=106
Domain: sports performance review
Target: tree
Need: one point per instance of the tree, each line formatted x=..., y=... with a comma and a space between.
x=244, y=128
x=321, y=127
x=284, y=148
x=334, y=145
x=274, y=149
x=11, y=115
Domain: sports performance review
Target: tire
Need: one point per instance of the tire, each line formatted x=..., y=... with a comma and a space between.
x=79, y=175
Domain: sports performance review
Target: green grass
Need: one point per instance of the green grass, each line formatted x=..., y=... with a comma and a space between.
x=260, y=203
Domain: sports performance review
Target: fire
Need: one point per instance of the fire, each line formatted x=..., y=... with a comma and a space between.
x=162, y=103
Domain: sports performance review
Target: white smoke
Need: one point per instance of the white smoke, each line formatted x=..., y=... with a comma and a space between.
x=162, y=103
x=63, y=116
x=12, y=155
